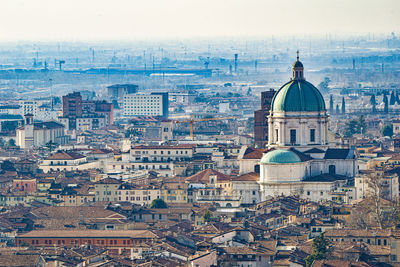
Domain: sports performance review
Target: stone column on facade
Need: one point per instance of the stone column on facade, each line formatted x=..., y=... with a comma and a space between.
x=281, y=133
x=271, y=136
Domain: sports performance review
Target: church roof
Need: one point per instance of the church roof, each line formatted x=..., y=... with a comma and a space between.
x=254, y=153
x=325, y=178
x=339, y=153
x=296, y=96
x=280, y=156
x=314, y=150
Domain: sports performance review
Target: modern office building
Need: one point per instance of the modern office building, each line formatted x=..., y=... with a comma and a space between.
x=153, y=104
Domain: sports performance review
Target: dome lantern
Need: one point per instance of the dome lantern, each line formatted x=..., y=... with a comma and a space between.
x=298, y=69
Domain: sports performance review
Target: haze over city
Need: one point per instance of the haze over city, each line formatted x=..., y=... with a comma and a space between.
x=41, y=20
x=200, y=133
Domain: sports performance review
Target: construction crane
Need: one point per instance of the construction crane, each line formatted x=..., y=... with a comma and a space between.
x=192, y=121
x=59, y=63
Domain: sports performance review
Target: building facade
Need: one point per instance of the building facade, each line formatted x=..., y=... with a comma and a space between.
x=299, y=161
x=154, y=104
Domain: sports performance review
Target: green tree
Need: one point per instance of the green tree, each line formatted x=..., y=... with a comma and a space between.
x=392, y=98
x=351, y=128
x=207, y=216
x=158, y=203
x=362, y=125
x=320, y=249
x=372, y=100
x=51, y=145
x=343, y=106
x=387, y=130
x=386, y=102
x=10, y=142
x=249, y=91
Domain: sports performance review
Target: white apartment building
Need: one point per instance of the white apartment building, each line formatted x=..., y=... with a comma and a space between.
x=140, y=195
x=28, y=107
x=154, y=104
x=144, y=153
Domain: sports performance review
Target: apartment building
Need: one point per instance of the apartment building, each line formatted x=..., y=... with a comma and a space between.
x=145, y=153
x=153, y=104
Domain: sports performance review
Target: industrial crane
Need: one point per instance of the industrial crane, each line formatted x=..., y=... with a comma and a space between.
x=192, y=121
x=59, y=63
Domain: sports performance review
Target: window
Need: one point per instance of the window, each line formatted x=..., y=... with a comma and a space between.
x=276, y=135
x=312, y=135
x=293, y=136
x=332, y=169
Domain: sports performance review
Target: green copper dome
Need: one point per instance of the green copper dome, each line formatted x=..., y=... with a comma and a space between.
x=280, y=156
x=298, y=95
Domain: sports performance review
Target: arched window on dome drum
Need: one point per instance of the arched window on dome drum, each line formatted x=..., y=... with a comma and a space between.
x=257, y=168
x=332, y=169
x=292, y=136
x=276, y=135
x=312, y=135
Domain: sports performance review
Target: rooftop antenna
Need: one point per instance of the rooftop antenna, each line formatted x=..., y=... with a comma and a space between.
x=297, y=55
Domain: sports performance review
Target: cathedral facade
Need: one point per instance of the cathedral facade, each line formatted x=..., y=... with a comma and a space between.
x=300, y=159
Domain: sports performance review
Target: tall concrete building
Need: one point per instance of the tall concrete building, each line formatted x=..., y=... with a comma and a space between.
x=120, y=90
x=261, y=119
x=153, y=104
x=72, y=108
x=85, y=115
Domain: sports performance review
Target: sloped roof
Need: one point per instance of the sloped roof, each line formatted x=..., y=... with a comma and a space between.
x=101, y=151
x=204, y=176
x=63, y=155
x=254, y=153
x=252, y=176
x=89, y=233
x=314, y=150
x=325, y=178
x=338, y=153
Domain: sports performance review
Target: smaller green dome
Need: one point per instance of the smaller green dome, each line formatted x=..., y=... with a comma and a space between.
x=280, y=156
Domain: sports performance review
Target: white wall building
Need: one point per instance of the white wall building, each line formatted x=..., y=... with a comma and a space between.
x=39, y=134
x=154, y=104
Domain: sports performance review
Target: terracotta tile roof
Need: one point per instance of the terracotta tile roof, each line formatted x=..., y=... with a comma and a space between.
x=60, y=212
x=19, y=260
x=63, y=155
x=204, y=176
x=252, y=176
x=101, y=151
x=180, y=146
x=339, y=263
x=255, y=153
x=358, y=233
x=109, y=181
x=89, y=233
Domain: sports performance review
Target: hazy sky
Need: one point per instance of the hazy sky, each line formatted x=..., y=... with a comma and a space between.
x=133, y=19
